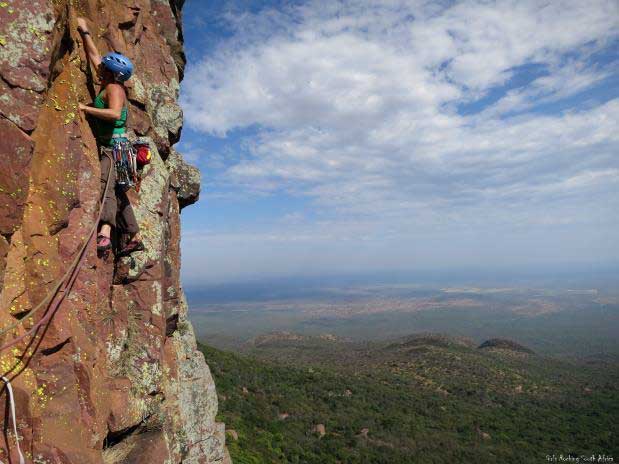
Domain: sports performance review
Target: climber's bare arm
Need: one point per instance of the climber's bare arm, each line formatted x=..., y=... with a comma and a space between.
x=115, y=101
x=91, y=49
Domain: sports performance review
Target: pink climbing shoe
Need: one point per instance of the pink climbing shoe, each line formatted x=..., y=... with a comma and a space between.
x=103, y=243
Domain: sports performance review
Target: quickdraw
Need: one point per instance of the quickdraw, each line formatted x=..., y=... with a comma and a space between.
x=125, y=163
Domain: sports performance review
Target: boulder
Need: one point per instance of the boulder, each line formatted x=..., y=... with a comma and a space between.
x=320, y=430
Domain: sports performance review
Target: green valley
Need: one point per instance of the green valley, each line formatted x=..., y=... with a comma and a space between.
x=427, y=398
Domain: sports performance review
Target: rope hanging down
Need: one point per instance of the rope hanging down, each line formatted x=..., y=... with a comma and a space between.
x=56, y=299
x=12, y=406
x=53, y=299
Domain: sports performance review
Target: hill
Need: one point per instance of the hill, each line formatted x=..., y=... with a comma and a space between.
x=503, y=344
x=425, y=399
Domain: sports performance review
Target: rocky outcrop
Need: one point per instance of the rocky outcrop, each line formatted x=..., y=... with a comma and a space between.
x=114, y=376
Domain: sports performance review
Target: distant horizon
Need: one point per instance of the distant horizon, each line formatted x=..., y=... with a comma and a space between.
x=551, y=312
x=584, y=276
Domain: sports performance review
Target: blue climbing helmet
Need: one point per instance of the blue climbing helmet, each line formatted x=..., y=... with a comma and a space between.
x=119, y=65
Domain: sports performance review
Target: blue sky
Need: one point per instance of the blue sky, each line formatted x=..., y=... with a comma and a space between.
x=362, y=136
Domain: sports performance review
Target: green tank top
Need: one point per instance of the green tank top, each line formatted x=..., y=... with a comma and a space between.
x=105, y=129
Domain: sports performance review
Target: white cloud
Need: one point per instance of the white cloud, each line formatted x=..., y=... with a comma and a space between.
x=356, y=108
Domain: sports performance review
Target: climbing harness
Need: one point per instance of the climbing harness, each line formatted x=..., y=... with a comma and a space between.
x=12, y=406
x=125, y=162
x=128, y=158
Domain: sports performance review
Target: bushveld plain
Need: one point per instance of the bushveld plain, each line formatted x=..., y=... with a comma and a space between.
x=400, y=372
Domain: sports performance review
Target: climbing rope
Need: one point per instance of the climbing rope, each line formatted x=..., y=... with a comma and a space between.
x=67, y=279
x=12, y=406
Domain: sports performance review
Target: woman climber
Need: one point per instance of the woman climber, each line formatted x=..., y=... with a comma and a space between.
x=110, y=112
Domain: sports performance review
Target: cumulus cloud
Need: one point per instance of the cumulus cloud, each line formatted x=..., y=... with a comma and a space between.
x=358, y=106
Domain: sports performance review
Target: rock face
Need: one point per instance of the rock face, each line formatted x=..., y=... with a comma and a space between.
x=114, y=376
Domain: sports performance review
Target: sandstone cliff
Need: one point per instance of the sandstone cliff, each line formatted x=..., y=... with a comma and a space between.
x=114, y=376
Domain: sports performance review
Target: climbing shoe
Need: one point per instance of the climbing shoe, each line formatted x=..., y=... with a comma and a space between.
x=133, y=245
x=103, y=243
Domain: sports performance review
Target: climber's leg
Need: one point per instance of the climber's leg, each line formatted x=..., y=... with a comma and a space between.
x=128, y=223
x=126, y=218
x=109, y=203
